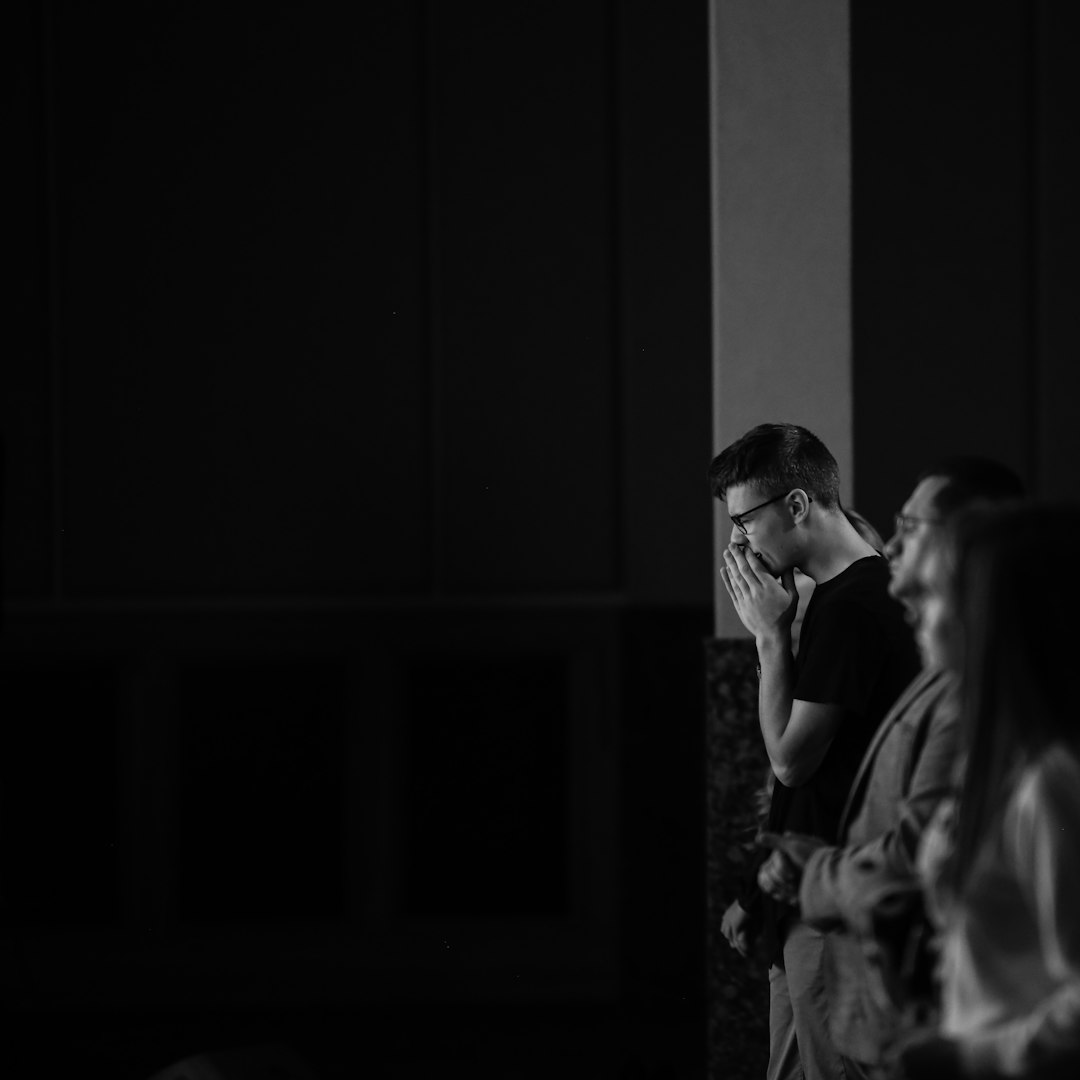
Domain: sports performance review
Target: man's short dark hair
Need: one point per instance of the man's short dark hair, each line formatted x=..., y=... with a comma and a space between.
x=776, y=458
x=969, y=480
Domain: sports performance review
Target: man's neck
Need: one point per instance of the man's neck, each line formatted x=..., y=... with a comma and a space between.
x=835, y=547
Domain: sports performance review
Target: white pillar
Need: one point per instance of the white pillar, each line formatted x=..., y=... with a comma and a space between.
x=781, y=228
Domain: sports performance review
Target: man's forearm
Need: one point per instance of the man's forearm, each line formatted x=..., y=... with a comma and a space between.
x=775, y=695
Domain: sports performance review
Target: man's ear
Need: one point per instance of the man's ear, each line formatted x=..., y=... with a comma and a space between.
x=798, y=503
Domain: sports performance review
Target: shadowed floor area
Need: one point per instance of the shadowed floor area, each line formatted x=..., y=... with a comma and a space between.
x=398, y=1044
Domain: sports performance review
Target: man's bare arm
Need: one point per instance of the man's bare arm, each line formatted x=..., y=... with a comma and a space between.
x=797, y=734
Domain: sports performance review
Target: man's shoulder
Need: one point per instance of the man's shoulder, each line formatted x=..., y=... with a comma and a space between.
x=862, y=592
x=859, y=623
x=862, y=588
x=869, y=575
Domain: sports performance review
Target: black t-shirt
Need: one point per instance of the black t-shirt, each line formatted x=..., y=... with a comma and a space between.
x=855, y=651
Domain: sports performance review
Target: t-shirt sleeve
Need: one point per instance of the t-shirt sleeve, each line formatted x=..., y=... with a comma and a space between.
x=842, y=659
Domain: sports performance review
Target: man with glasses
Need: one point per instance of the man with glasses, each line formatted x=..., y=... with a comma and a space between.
x=941, y=490
x=906, y=771
x=817, y=711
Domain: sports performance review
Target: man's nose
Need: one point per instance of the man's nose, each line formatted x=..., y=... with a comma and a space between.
x=892, y=548
x=737, y=535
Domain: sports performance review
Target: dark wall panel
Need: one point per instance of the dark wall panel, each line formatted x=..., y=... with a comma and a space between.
x=941, y=243
x=663, y=263
x=345, y=299
x=244, y=378
x=261, y=790
x=333, y=317
x=1057, y=163
x=26, y=535
x=486, y=799
x=523, y=232
x=60, y=792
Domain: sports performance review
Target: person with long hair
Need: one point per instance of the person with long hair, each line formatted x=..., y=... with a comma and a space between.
x=863, y=890
x=1002, y=866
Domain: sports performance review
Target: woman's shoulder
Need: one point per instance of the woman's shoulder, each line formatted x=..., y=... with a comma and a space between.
x=1050, y=785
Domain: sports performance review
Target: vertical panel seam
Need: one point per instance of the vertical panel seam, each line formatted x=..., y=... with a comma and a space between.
x=52, y=300
x=615, y=105
x=431, y=306
x=1034, y=88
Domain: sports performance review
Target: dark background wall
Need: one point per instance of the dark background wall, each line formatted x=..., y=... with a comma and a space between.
x=965, y=229
x=356, y=541
x=356, y=552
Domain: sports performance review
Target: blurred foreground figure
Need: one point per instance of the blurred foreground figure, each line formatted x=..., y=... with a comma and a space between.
x=853, y=889
x=1002, y=866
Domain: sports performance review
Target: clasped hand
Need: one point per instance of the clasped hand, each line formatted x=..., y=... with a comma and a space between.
x=764, y=604
x=781, y=874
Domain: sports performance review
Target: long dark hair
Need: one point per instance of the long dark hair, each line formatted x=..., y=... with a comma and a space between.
x=1017, y=597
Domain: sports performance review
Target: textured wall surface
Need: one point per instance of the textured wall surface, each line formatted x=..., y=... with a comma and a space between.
x=737, y=772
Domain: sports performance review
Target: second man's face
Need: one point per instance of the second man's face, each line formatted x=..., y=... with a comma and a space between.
x=907, y=546
x=937, y=630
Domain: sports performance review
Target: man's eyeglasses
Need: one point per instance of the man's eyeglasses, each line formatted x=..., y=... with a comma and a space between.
x=738, y=520
x=905, y=524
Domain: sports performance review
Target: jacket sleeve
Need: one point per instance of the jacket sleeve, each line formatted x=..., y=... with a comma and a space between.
x=843, y=886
